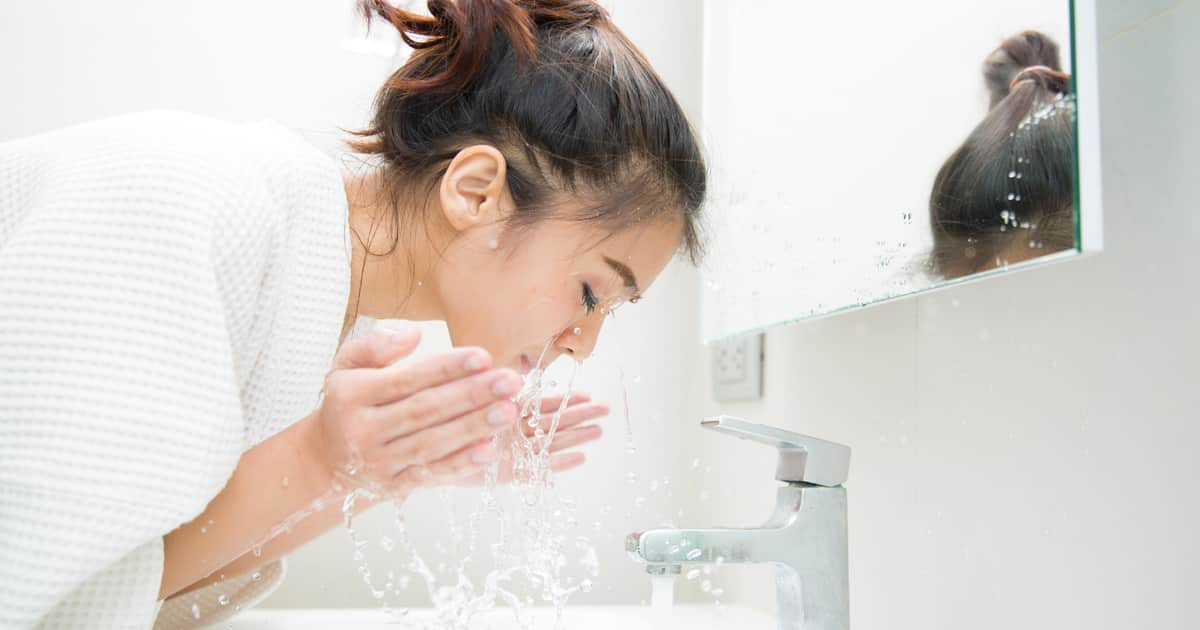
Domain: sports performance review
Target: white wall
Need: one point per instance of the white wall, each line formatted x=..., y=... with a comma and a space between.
x=68, y=62
x=1024, y=447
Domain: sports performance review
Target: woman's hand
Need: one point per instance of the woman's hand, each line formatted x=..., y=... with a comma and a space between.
x=390, y=428
x=570, y=433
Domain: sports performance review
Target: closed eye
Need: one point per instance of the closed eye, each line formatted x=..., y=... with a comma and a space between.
x=589, y=298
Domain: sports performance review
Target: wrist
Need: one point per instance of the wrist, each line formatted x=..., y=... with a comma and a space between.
x=313, y=457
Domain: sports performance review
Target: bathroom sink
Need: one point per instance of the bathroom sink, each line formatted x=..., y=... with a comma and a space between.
x=690, y=616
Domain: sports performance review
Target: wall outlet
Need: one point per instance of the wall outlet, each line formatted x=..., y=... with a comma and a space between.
x=737, y=366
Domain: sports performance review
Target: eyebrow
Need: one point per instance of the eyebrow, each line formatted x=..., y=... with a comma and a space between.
x=626, y=274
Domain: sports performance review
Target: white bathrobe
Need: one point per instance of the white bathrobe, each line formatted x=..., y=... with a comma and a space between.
x=172, y=288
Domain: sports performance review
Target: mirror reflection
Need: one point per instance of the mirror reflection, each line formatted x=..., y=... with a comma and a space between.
x=1006, y=194
x=854, y=162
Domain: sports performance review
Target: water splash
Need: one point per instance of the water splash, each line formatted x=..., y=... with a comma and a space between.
x=536, y=553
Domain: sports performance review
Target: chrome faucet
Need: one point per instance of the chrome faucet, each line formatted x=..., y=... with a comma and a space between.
x=805, y=537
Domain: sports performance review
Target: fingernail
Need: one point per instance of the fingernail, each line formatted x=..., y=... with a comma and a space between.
x=473, y=363
x=395, y=337
x=484, y=454
x=501, y=415
x=504, y=386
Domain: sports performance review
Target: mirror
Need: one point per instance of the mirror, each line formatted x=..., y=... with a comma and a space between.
x=856, y=161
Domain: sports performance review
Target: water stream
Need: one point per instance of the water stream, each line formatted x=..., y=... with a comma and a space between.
x=537, y=559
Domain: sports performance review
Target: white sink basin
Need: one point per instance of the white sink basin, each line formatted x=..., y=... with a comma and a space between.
x=689, y=616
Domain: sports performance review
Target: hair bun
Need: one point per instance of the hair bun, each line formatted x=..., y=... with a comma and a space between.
x=454, y=40
x=1015, y=56
x=1047, y=78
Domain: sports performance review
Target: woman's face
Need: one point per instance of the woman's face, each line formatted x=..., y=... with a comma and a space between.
x=529, y=296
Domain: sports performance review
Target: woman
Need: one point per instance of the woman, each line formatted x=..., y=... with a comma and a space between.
x=174, y=290
x=1007, y=194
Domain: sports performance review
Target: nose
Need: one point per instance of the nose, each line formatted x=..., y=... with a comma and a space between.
x=579, y=340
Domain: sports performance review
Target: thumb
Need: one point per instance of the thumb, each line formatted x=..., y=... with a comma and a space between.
x=378, y=349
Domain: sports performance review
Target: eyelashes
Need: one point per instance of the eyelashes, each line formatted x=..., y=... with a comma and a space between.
x=591, y=302
x=589, y=298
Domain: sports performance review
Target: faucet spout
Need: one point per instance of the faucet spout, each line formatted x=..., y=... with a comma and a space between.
x=805, y=538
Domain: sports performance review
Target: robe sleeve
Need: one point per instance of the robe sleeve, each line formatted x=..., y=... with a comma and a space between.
x=119, y=406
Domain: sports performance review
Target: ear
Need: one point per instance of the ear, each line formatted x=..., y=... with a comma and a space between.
x=473, y=186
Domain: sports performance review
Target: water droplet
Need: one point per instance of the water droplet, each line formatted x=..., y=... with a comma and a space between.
x=387, y=543
x=195, y=611
x=1011, y=196
x=717, y=592
x=1012, y=174
x=256, y=576
x=695, y=463
x=693, y=554
x=203, y=530
x=577, y=331
x=223, y=600
x=631, y=477
x=692, y=574
x=706, y=586
x=493, y=244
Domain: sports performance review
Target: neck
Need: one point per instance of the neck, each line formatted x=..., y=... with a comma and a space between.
x=387, y=282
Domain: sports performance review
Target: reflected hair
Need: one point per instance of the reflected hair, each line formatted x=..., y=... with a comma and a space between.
x=572, y=104
x=1011, y=183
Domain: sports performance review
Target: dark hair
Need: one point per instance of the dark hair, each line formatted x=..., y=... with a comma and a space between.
x=1012, y=180
x=1021, y=51
x=572, y=104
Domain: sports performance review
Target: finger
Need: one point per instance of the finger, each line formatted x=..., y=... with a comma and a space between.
x=440, y=440
x=563, y=462
x=574, y=437
x=570, y=417
x=380, y=348
x=401, y=380
x=439, y=404
x=455, y=466
x=559, y=462
x=551, y=404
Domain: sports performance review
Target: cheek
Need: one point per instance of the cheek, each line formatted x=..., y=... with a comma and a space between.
x=510, y=309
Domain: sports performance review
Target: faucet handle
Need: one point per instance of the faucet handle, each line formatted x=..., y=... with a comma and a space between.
x=802, y=459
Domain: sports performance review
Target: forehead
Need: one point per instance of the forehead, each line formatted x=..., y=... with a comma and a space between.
x=646, y=246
